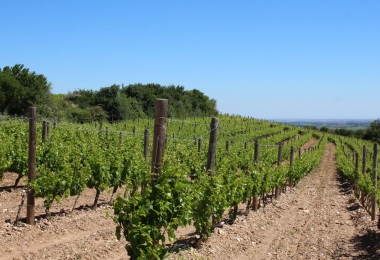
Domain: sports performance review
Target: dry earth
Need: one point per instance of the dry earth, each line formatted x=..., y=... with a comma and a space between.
x=319, y=219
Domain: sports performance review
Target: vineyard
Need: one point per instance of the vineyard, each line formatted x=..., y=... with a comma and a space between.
x=153, y=178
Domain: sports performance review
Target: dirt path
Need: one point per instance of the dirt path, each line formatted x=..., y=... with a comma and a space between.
x=319, y=219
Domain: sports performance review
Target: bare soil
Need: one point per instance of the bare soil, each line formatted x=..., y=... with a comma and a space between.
x=318, y=219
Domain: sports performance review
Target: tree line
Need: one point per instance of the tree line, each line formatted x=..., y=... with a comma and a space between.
x=372, y=133
x=21, y=88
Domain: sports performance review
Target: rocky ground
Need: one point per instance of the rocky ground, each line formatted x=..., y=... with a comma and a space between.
x=318, y=219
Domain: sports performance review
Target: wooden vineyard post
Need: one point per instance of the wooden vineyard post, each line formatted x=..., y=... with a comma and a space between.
x=199, y=145
x=211, y=154
x=374, y=181
x=364, y=161
x=160, y=117
x=255, y=201
x=212, y=145
x=30, y=202
x=146, y=144
x=356, y=173
x=44, y=131
x=120, y=137
x=291, y=162
x=279, y=160
x=364, y=168
x=291, y=155
x=227, y=146
x=256, y=152
x=279, y=155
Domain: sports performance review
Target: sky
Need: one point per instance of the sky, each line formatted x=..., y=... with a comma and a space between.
x=264, y=59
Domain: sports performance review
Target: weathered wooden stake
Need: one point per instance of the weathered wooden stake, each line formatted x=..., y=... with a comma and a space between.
x=30, y=202
x=256, y=152
x=291, y=155
x=279, y=155
x=160, y=118
x=374, y=180
x=44, y=131
x=364, y=169
x=212, y=145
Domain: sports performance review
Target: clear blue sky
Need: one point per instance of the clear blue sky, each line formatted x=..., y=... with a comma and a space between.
x=266, y=59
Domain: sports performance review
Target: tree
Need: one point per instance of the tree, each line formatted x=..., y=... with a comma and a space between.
x=375, y=130
x=33, y=89
x=129, y=107
x=107, y=99
x=83, y=98
x=10, y=94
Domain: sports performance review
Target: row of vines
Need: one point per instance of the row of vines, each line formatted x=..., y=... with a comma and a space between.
x=357, y=160
x=104, y=156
